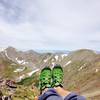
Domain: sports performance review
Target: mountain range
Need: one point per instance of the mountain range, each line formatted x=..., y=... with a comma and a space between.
x=81, y=68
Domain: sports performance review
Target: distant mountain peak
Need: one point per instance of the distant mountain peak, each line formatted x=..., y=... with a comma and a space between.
x=11, y=48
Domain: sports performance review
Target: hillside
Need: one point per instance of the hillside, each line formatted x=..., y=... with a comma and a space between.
x=81, y=71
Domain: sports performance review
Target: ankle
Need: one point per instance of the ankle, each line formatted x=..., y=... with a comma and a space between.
x=61, y=91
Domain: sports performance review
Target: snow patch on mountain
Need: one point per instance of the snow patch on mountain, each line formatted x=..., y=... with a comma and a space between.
x=82, y=67
x=20, y=69
x=25, y=63
x=68, y=63
x=20, y=78
x=64, y=55
x=30, y=73
x=21, y=61
x=45, y=60
x=2, y=49
x=5, y=51
x=56, y=57
x=96, y=70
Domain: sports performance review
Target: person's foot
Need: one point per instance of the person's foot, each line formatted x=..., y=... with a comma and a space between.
x=45, y=78
x=57, y=76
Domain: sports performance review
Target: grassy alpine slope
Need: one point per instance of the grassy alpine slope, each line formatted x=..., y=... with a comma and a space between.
x=81, y=74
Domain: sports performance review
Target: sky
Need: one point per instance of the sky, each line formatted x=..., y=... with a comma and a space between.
x=50, y=24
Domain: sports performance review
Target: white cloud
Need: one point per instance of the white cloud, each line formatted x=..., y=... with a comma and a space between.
x=50, y=24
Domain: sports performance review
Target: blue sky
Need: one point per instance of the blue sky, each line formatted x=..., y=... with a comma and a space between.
x=50, y=24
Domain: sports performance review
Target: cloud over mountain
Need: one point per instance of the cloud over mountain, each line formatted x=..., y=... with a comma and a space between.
x=50, y=24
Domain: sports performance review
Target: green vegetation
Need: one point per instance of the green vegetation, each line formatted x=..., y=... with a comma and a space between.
x=23, y=93
x=82, y=74
x=29, y=80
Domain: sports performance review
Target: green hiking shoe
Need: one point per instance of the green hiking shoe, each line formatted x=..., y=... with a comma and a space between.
x=45, y=78
x=57, y=76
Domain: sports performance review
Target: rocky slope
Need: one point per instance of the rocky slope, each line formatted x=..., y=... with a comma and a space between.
x=81, y=69
x=83, y=73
